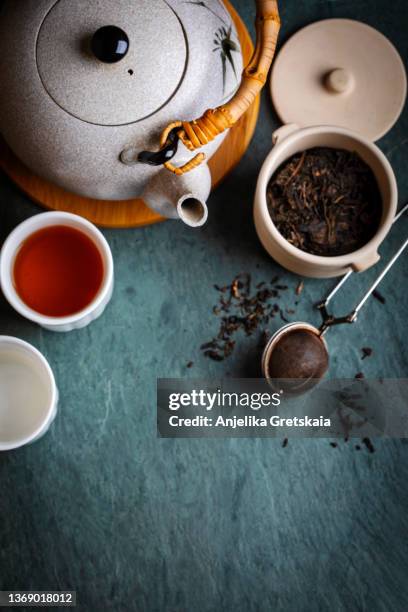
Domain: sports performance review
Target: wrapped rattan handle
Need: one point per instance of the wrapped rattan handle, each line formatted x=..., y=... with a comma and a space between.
x=197, y=133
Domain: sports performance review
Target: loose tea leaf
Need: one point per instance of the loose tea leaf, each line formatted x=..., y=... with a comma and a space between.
x=299, y=288
x=325, y=201
x=367, y=352
x=378, y=296
x=282, y=316
x=368, y=444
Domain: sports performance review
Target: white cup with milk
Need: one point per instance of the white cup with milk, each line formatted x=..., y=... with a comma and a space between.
x=28, y=394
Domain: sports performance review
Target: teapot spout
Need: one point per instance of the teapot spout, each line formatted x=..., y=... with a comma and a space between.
x=192, y=210
x=180, y=197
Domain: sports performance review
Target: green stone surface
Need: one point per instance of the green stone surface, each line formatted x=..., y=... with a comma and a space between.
x=132, y=522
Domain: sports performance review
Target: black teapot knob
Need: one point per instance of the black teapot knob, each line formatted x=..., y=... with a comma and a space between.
x=110, y=44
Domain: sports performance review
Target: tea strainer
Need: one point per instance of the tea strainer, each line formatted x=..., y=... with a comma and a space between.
x=298, y=353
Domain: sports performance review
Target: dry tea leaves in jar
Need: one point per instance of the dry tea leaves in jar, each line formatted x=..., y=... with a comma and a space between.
x=325, y=201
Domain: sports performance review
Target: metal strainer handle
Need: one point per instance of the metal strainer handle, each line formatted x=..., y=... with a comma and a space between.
x=329, y=320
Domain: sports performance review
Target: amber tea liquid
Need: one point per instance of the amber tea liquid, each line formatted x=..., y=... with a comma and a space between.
x=58, y=271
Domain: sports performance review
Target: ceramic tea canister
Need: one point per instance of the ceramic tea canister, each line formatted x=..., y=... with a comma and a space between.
x=344, y=98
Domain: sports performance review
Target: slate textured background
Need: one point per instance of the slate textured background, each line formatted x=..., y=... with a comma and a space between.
x=132, y=522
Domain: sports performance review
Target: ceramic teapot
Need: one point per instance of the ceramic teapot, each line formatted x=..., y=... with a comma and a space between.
x=100, y=97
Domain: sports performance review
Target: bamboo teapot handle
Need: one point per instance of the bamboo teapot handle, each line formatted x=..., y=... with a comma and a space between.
x=199, y=132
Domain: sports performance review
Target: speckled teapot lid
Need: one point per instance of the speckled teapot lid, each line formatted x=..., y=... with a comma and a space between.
x=130, y=55
x=339, y=72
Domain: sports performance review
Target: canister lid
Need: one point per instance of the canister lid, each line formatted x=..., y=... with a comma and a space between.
x=111, y=63
x=340, y=72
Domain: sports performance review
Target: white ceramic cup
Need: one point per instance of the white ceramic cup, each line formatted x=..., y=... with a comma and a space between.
x=28, y=394
x=7, y=259
x=289, y=140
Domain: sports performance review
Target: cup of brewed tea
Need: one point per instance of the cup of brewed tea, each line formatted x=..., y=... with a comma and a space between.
x=56, y=269
x=28, y=394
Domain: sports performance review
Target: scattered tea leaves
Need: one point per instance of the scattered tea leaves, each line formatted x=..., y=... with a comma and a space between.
x=242, y=310
x=366, y=352
x=366, y=441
